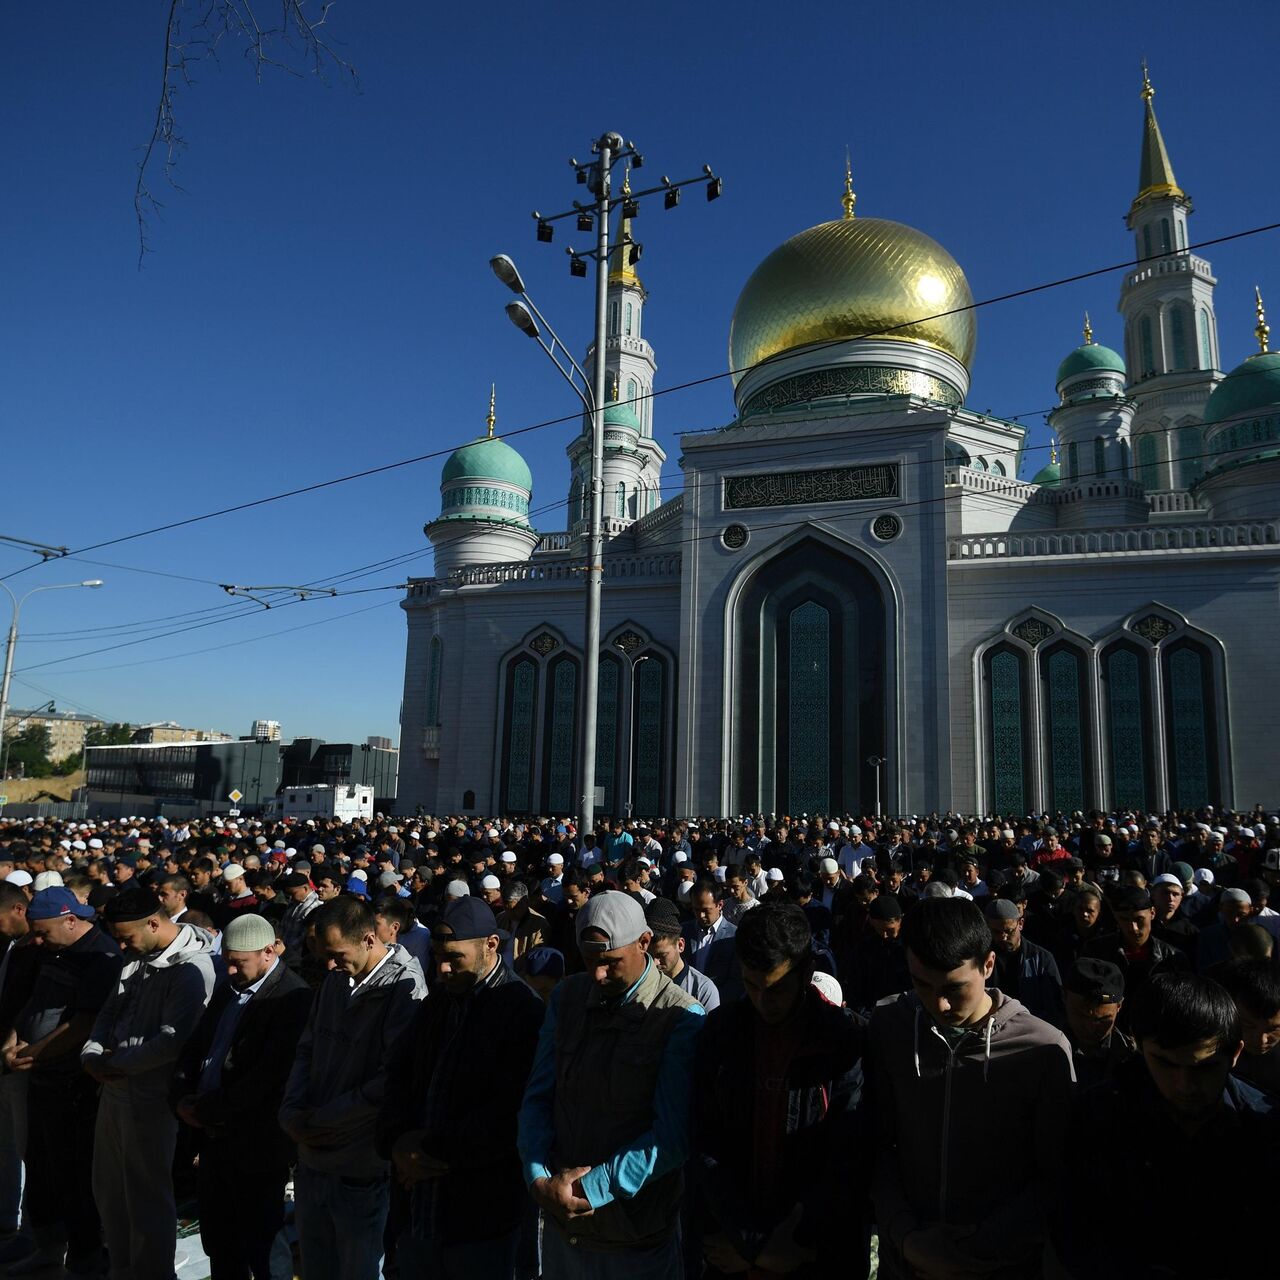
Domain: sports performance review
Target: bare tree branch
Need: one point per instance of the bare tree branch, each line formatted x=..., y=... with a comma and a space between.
x=196, y=30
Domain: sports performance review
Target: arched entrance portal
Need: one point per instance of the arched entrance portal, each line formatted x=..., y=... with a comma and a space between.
x=809, y=684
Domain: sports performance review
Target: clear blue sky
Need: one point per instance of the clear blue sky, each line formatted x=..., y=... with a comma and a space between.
x=318, y=300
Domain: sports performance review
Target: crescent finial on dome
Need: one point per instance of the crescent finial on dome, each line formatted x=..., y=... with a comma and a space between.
x=848, y=200
x=1262, y=330
x=1088, y=330
x=492, y=419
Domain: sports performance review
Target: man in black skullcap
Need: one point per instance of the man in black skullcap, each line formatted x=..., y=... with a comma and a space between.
x=877, y=965
x=1094, y=992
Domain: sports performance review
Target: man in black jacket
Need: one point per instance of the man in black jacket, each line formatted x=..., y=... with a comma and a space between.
x=473, y=1039
x=228, y=1086
x=1024, y=970
x=771, y=1179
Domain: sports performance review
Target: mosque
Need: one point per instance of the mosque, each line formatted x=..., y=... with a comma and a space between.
x=856, y=600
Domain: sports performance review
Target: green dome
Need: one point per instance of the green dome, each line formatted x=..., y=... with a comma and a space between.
x=1049, y=474
x=618, y=413
x=1086, y=359
x=1248, y=388
x=488, y=459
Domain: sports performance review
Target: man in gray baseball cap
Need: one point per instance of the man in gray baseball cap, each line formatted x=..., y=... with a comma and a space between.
x=605, y=1162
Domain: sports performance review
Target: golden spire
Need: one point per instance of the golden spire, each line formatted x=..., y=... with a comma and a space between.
x=1262, y=330
x=493, y=417
x=1155, y=172
x=613, y=394
x=1088, y=331
x=848, y=200
x=624, y=271
x=1053, y=450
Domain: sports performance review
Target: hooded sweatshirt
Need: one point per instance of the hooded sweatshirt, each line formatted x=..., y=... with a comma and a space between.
x=339, y=1075
x=970, y=1130
x=156, y=1006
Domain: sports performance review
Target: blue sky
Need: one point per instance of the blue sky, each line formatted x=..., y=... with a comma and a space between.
x=318, y=300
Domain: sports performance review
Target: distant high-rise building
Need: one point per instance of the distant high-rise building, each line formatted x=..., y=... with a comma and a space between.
x=265, y=731
x=380, y=744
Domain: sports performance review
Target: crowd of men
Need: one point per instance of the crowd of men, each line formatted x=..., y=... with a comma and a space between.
x=501, y=1049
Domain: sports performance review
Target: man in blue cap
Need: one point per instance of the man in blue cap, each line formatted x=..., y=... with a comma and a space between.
x=80, y=971
x=474, y=1038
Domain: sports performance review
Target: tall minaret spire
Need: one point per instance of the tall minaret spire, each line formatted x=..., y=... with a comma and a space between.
x=623, y=272
x=1155, y=170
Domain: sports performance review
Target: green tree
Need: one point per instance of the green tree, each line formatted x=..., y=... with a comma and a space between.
x=109, y=735
x=30, y=749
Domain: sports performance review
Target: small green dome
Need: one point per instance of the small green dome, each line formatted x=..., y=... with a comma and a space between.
x=1248, y=388
x=1049, y=474
x=1092, y=356
x=488, y=459
x=618, y=413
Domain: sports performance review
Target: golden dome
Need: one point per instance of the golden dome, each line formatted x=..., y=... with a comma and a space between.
x=855, y=277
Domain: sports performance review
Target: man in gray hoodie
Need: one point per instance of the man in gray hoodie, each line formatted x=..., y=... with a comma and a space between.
x=337, y=1086
x=164, y=986
x=946, y=1063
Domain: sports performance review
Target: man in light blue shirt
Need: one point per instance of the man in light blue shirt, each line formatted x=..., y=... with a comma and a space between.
x=604, y=1129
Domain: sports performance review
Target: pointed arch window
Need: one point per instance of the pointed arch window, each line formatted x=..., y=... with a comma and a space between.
x=1004, y=675
x=1126, y=460
x=1180, y=336
x=560, y=735
x=1206, y=351
x=1191, y=724
x=620, y=502
x=1099, y=458
x=1148, y=348
x=1066, y=748
x=1146, y=241
x=577, y=507
x=633, y=392
x=519, y=733
x=1126, y=693
x=1190, y=446
x=1073, y=462
x=627, y=328
x=1165, y=243
x=1148, y=467
x=649, y=748
x=615, y=311
x=997, y=468
x=433, y=681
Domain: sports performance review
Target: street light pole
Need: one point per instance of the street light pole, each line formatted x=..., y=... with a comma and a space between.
x=876, y=762
x=12, y=644
x=608, y=147
x=631, y=730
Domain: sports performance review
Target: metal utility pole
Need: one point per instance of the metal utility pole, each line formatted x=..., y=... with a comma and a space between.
x=609, y=148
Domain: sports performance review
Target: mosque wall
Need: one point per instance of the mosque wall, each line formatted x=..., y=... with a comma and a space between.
x=1085, y=604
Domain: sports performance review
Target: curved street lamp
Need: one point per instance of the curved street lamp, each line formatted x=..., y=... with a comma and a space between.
x=13, y=644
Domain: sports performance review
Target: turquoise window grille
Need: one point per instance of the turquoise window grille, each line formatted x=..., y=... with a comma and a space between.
x=433, y=681
x=1126, y=728
x=1186, y=673
x=1179, y=336
x=1006, y=749
x=650, y=752
x=1206, y=350
x=563, y=717
x=1148, y=469
x=1065, y=729
x=809, y=765
x=520, y=734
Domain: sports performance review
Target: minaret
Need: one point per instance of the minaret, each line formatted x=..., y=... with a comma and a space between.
x=1092, y=423
x=1171, y=333
x=633, y=459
